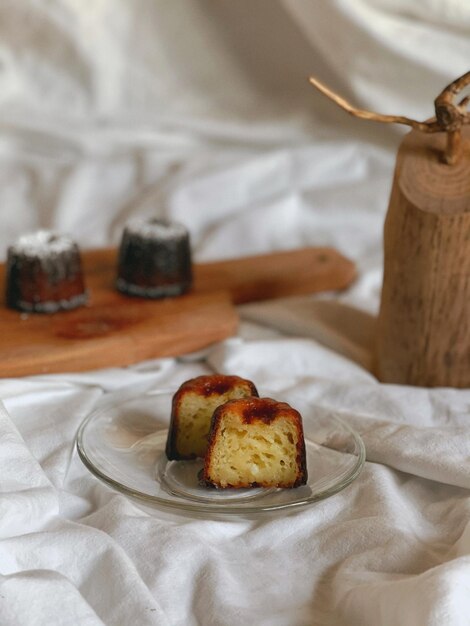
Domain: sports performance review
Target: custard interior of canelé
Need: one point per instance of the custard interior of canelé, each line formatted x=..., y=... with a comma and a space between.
x=258, y=452
x=194, y=419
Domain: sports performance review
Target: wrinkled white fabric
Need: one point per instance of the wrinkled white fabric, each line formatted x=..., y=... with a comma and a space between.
x=202, y=112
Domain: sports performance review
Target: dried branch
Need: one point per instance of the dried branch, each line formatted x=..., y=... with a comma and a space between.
x=426, y=127
x=450, y=117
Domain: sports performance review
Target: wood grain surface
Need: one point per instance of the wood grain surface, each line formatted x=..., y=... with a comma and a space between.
x=117, y=330
x=424, y=321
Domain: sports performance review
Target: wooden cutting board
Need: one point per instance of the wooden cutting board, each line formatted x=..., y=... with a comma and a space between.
x=116, y=330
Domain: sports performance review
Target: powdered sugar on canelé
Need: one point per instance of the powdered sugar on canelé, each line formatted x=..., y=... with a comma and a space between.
x=156, y=228
x=42, y=244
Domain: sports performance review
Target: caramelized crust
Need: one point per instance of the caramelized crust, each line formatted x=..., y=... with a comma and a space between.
x=192, y=408
x=255, y=442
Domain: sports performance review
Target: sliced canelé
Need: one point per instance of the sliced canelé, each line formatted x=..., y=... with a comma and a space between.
x=255, y=442
x=192, y=409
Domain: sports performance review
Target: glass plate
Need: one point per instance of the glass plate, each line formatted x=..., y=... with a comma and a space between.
x=124, y=446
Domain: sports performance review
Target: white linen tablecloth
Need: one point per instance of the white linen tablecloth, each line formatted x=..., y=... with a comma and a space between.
x=201, y=112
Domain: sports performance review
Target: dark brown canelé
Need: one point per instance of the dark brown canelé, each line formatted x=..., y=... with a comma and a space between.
x=154, y=259
x=255, y=442
x=44, y=274
x=192, y=409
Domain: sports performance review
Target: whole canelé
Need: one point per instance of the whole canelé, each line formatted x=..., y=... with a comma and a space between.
x=44, y=274
x=154, y=259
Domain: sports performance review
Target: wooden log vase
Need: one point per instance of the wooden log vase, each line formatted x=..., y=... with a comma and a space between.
x=423, y=330
x=424, y=321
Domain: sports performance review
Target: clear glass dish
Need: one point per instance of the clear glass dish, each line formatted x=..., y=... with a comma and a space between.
x=124, y=446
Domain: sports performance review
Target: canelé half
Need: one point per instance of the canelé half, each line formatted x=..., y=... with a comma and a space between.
x=192, y=408
x=255, y=442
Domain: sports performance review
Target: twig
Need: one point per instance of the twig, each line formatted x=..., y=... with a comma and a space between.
x=450, y=117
